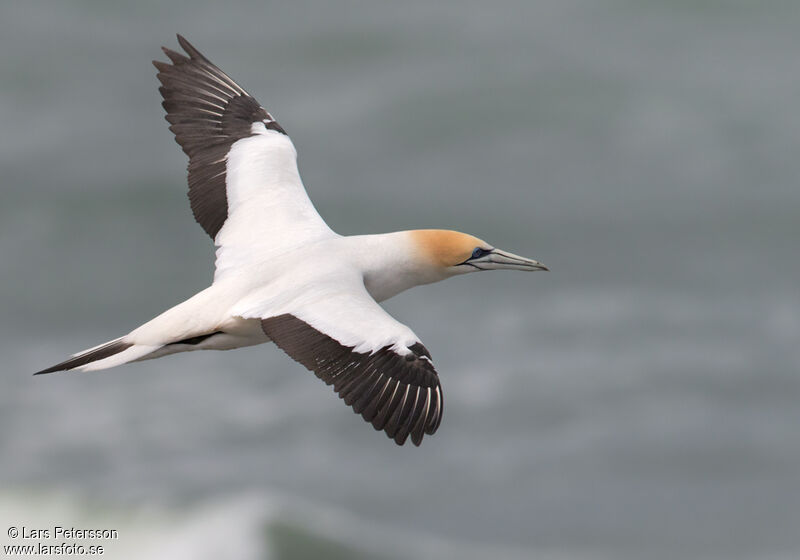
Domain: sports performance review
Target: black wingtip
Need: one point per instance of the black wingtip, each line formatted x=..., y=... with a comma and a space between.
x=190, y=49
x=180, y=58
x=175, y=56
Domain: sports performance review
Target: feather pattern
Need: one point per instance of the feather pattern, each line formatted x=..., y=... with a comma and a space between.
x=282, y=274
x=398, y=393
x=208, y=112
x=244, y=186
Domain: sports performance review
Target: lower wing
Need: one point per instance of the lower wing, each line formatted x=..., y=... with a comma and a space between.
x=375, y=363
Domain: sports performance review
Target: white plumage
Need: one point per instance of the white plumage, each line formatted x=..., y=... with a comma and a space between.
x=282, y=274
x=269, y=211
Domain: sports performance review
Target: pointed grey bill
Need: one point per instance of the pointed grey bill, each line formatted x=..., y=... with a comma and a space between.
x=498, y=259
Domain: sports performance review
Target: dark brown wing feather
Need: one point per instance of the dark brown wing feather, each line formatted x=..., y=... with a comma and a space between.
x=207, y=112
x=398, y=394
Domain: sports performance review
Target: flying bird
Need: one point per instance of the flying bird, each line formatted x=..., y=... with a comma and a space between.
x=282, y=275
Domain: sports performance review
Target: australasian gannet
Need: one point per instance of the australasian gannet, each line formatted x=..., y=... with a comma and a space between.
x=282, y=274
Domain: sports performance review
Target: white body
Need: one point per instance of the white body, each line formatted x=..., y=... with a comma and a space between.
x=281, y=269
x=308, y=277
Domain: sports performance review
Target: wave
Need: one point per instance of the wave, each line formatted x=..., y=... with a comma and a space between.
x=251, y=527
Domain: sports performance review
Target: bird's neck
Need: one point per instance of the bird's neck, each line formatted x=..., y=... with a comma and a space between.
x=392, y=263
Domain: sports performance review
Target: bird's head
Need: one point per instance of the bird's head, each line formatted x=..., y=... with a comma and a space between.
x=459, y=253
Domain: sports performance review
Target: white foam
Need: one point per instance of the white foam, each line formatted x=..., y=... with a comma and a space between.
x=243, y=528
x=228, y=529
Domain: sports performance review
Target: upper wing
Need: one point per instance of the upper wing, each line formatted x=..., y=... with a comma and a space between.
x=244, y=187
x=375, y=363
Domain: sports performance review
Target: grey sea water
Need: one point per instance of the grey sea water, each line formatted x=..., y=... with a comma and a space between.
x=640, y=401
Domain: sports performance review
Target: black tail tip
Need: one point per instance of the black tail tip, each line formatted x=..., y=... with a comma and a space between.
x=51, y=369
x=99, y=353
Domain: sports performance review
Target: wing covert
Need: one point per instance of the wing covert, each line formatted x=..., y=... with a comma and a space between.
x=208, y=112
x=243, y=180
x=397, y=393
x=377, y=365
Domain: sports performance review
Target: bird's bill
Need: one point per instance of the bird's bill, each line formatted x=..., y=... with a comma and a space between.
x=503, y=260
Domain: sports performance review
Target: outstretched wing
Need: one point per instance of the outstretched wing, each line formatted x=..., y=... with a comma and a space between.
x=375, y=363
x=244, y=186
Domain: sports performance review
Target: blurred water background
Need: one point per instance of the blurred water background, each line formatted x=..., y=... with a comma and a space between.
x=638, y=402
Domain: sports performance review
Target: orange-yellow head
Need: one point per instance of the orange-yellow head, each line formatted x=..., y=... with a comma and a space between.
x=458, y=253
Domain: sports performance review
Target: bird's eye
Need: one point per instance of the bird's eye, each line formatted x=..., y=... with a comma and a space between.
x=478, y=252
